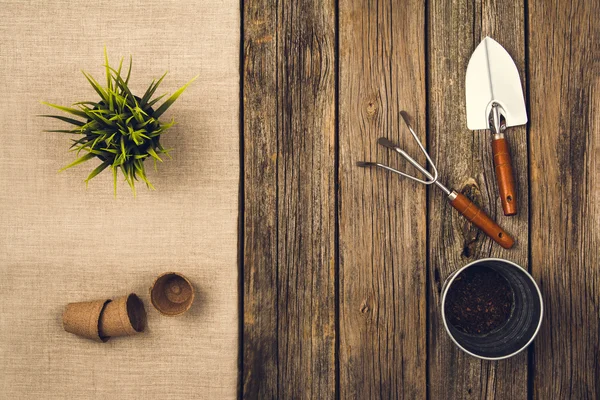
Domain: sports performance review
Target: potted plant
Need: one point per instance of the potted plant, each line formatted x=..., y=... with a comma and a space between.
x=120, y=129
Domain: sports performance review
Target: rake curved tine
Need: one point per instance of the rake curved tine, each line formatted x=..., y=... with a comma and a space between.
x=365, y=164
x=434, y=178
x=390, y=145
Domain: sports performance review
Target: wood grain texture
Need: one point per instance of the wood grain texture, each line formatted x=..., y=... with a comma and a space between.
x=465, y=162
x=260, y=122
x=388, y=244
x=381, y=216
x=289, y=249
x=564, y=68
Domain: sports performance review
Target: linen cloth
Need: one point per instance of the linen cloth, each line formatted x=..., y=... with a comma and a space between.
x=61, y=242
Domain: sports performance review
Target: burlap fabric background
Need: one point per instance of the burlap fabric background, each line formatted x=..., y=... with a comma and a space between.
x=61, y=243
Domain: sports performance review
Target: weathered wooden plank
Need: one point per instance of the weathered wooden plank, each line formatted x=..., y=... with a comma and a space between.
x=260, y=352
x=306, y=204
x=289, y=251
x=382, y=217
x=564, y=78
x=464, y=160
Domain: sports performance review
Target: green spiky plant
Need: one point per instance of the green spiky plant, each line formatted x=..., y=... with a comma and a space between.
x=120, y=129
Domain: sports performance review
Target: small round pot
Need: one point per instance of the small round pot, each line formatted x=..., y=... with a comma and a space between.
x=524, y=320
x=172, y=294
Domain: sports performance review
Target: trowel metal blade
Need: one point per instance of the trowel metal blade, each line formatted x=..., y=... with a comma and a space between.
x=493, y=77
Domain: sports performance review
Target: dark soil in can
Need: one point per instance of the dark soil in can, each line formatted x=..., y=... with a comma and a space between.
x=479, y=301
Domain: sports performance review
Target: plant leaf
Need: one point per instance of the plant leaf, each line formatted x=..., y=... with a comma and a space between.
x=108, y=75
x=111, y=106
x=121, y=83
x=69, y=110
x=97, y=115
x=86, y=103
x=139, y=166
x=153, y=86
x=129, y=71
x=65, y=119
x=123, y=150
x=153, y=154
x=114, y=171
x=128, y=177
x=97, y=170
x=73, y=131
x=83, y=158
x=96, y=86
x=120, y=66
x=83, y=140
x=109, y=139
x=156, y=100
x=164, y=106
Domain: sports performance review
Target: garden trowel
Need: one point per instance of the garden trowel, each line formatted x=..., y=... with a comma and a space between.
x=494, y=102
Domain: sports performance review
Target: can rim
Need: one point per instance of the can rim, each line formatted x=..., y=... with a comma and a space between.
x=447, y=285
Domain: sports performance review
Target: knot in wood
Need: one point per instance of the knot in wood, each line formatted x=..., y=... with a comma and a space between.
x=372, y=108
x=364, y=307
x=469, y=232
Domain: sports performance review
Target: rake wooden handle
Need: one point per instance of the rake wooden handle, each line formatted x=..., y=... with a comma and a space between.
x=481, y=220
x=504, y=176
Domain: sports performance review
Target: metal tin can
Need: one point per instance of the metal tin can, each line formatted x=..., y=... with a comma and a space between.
x=522, y=325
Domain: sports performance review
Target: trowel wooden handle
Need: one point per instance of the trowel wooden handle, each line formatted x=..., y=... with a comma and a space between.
x=504, y=176
x=481, y=220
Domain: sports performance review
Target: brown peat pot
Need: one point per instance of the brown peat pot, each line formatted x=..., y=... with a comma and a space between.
x=83, y=319
x=124, y=316
x=172, y=294
x=492, y=308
